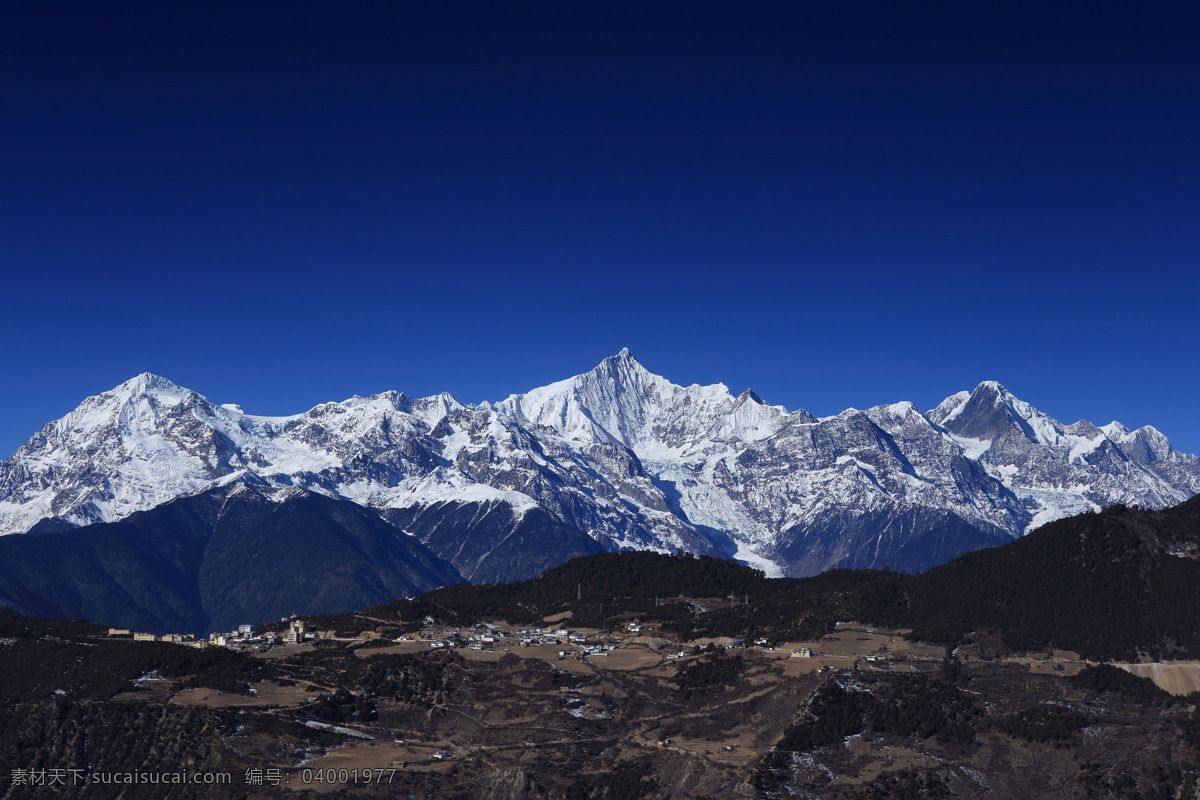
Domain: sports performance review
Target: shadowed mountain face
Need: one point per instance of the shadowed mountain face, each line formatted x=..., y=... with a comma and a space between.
x=488, y=543
x=986, y=415
x=617, y=458
x=216, y=560
x=911, y=541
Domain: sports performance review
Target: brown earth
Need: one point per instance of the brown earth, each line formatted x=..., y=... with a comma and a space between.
x=530, y=723
x=267, y=693
x=1177, y=677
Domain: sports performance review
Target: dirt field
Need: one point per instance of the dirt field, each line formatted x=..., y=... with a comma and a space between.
x=401, y=647
x=849, y=646
x=1178, y=678
x=623, y=658
x=560, y=717
x=626, y=658
x=267, y=693
x=281, y=651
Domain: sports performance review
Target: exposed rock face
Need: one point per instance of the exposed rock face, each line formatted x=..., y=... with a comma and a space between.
x=616, y=458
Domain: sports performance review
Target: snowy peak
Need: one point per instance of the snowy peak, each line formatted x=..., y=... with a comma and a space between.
x=990, y=411
x=431, y=410
x=621, y=402
x=146, y=387
x=614, y=402
x=1144, y=445
x=948, y=408
x=623, y=360
x=135, y=407
x=1114, y=430
x=897, y=411
x=149, y=383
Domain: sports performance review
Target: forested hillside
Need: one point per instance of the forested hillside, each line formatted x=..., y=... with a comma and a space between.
x=1112, y=585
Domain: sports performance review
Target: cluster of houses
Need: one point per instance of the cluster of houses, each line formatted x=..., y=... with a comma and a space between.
x=296, y=632
x=485, y=636
x=481, y=636
x=179, y=638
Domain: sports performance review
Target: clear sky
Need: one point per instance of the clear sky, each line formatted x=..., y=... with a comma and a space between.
x=835, y=204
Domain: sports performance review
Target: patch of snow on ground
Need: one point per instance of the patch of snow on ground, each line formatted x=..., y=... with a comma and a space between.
x=1054, y=505
x=1080, y=447
x=972, y=448
x=431, y=491
x=1002, y=471
x=312, y=723
x=746, y=556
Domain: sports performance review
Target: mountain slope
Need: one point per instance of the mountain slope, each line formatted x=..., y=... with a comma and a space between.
x=1119, y=584
x=616, y=458
x=228, y=556
x=489, y=542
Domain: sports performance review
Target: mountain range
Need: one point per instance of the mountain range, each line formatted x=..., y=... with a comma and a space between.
x=616, y=458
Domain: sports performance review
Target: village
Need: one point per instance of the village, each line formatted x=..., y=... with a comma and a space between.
x=540, y=695
x=633, y=645
x=592, y=664
x=642, y=645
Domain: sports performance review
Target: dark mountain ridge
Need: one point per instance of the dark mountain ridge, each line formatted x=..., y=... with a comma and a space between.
x=1116, y=584
x=218, y=559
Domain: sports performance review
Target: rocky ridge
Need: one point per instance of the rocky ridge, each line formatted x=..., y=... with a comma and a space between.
x=620, y=454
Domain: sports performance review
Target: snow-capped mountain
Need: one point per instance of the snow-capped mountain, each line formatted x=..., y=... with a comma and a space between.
x=615, y=458
x=1060, y=470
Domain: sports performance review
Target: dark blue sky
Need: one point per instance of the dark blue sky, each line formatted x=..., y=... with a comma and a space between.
x=280, y=204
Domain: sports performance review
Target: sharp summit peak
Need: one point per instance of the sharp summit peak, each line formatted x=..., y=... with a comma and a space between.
x=148, y=380
x=995, y=386
x=625, y=354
